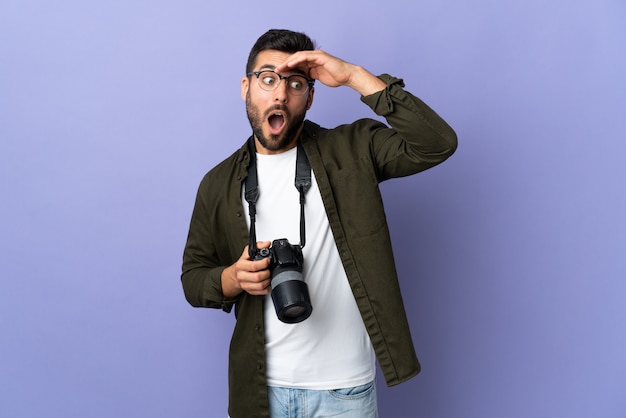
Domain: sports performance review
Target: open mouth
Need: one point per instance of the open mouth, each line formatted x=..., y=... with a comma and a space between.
x=276, y=122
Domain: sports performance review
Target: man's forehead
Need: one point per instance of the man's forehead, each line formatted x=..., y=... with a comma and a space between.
x=269, y=59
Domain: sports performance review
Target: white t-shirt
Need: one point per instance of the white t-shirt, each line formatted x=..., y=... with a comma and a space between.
x=331, y=349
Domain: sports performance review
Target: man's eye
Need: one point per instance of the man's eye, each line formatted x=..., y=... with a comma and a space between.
x=296, y=84
x=268, y=80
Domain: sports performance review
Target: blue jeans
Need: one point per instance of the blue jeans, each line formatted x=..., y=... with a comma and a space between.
x=356, y=402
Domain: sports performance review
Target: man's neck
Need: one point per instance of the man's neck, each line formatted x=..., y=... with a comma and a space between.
x=290, y=145
x=260, y=149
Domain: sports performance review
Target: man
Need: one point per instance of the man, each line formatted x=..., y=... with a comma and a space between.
x=324, y=364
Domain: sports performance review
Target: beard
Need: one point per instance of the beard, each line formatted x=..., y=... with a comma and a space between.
x=274, y=142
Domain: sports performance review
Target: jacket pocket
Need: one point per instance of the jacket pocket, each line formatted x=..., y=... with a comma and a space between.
x=358, y=198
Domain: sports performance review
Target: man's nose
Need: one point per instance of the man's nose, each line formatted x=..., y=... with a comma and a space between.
x=280, y=92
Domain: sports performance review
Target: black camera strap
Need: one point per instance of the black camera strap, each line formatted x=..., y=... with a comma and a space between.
x=302, y=182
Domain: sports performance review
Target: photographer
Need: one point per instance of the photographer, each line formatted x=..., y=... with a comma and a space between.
x=350, y=311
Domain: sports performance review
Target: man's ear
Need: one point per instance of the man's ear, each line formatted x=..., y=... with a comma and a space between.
x=245, y=85
x=309, y=99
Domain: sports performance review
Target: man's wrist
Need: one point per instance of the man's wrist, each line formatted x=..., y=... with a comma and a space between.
x=365, y=83
x=229, y=283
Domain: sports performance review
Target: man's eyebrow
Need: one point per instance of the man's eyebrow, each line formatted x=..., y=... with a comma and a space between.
x=299, y=71
x=273, y=67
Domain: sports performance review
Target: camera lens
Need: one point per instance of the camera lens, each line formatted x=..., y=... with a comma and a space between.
x=290, y=293
x=294, y=311
x=292, y=302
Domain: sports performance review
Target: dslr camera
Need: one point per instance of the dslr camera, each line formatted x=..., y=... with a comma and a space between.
x=290, y=293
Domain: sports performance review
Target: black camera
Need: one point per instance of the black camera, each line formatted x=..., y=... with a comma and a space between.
x=290, y=293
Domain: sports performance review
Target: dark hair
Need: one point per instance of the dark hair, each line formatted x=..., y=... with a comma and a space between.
x=281, y=40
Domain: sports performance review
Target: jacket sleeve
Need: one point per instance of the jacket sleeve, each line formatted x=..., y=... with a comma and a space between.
x=418, y=139
x=205, y=256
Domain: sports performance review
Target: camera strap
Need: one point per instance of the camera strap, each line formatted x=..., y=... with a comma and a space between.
x=302, y=183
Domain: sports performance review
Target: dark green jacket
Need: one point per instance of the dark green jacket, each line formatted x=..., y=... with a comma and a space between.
x=349, y=162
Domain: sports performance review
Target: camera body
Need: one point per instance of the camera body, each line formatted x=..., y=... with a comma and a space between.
x=290, y=293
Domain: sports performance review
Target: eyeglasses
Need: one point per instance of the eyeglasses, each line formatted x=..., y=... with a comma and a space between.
x=269, y=80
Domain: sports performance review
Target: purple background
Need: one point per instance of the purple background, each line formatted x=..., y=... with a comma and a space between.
x=512, y=254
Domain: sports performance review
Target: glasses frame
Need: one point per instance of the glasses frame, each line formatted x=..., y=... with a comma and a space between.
x=309, y=81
